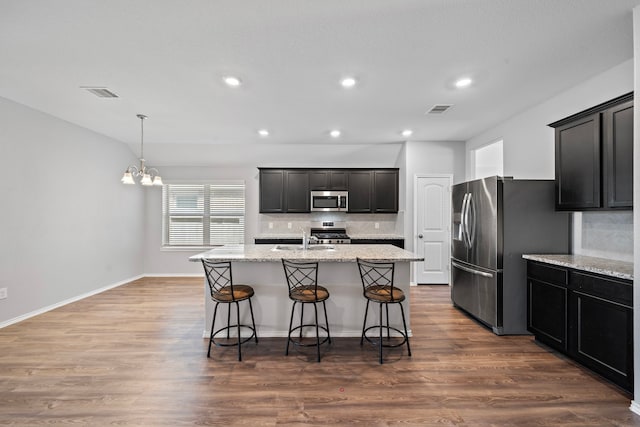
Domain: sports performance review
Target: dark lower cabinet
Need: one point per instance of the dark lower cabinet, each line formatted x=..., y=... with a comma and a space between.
x=589, y=317
x=547, y=313
x=395, y=242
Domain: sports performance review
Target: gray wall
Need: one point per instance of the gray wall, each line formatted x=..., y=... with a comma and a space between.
x=529, y=154
x=69, y=227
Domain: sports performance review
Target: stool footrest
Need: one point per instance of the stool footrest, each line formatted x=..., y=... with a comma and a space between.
x=296, y=340
x=376, y=340
x=234, y=338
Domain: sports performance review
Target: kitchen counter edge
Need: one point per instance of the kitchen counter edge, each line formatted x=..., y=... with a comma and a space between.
x=604, y=266
x=342, y=253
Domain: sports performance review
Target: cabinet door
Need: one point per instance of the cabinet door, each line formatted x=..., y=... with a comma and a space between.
x=618, y=123
x=318, y=180
x=602, y=334
x=271, y=191
x=360, y=189
x=338, y=180
x=578, y=164
x=297, y=191
x=385, y=191
x=547, y=313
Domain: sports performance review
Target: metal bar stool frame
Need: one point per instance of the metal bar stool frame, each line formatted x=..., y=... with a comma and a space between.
x=223, y=291
x=302, y=280
x=378, y=286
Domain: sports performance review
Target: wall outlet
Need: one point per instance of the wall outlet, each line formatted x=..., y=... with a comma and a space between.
x=376, y=225
x=3, y=293
x=289, y=225
x=270, y=226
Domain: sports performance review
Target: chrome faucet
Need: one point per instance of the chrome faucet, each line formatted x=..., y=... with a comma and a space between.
x=305, y=242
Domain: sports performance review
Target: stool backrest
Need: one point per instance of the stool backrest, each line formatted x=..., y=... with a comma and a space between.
x=377, y=277
x=218, y=274
x=301, y=276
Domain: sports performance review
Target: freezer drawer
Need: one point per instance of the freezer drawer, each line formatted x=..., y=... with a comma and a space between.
x=478, y=292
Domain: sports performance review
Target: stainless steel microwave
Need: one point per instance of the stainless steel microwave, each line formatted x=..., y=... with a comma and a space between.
x=329, y=201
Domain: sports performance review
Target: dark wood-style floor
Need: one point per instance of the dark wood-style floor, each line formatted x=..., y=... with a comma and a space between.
x=135, y=356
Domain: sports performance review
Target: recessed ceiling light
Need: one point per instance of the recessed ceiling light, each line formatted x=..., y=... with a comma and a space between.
x=348, y=82
x=464, y=82
x=232, y=81
x=407, y=132
x=335, y=133
x=263, y=132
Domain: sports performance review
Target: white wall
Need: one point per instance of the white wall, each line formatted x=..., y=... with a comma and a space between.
x=528, y=142
x=235, y=167
x=69, y=227
x=528, y=145
x=424, y=158
x=635, y=404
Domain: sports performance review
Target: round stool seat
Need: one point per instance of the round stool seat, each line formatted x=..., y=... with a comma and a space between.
x=384, y=293
x=240, y=293
x=309, y=293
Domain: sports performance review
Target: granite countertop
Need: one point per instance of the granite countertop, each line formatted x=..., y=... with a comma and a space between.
x=341, y=253
x=352, y=236
x=607, y=267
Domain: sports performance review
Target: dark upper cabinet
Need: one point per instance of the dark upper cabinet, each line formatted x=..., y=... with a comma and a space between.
x=594, y=157
x=328, y=180
x=289, y=190
x=272, y=191
x=578, y=164
x=360, y=191
x=385, y=191
x=297, y=191
x=284, y=190
x=618, y=153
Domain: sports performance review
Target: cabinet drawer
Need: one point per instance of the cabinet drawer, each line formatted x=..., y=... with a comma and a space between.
x=619, y=292
x=547, y=273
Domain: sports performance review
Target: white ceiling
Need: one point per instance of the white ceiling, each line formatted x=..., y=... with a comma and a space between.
x=166, y=59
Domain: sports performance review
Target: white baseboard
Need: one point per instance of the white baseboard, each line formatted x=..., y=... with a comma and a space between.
x=68, y=301
x=173, y=275
x=635, y=407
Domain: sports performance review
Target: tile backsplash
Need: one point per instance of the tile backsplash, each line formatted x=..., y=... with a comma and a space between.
x=356, y=224
x=604, y=234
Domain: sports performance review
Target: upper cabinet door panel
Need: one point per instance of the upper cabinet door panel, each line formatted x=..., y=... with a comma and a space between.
x=619, y=155
x=297, y=191
x=578, y=164
x=272, y=191
x=360, y=189
x=385, y=191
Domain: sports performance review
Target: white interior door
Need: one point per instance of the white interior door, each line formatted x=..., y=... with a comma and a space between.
x=432, y=228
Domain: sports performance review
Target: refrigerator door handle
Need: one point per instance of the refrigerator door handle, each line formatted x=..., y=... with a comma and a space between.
x=471, y=270
x=471, y=220
x=463, y=220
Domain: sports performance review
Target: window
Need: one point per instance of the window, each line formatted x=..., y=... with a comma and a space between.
x=202, y=214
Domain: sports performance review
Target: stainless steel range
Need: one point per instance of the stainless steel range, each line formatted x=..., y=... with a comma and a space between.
x=329, y=232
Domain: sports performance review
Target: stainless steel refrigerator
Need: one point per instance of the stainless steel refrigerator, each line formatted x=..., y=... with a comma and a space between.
x=494, y=221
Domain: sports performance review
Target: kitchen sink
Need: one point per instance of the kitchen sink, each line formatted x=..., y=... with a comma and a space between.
x=299, y=248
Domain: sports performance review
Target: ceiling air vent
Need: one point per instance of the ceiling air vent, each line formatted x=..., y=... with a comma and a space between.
x=100, y=92
x=439, y=108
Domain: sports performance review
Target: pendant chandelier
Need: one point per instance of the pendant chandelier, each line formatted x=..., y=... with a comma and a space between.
x=148, y=176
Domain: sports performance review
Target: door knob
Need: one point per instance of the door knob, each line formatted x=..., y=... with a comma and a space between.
x=419, y=236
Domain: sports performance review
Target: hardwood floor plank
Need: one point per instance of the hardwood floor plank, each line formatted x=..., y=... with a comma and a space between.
x=135, y=356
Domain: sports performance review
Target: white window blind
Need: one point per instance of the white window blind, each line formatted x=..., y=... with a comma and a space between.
x=202, y=214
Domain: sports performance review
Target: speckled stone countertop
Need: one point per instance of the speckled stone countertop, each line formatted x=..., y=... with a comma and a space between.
x=352, y=236
x=340, y=253
x=608, y=267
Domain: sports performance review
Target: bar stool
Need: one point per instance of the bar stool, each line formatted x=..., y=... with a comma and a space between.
x=377, y=283
x=223, y=291
x=302, y=279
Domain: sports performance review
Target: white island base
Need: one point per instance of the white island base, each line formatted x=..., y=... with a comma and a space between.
x=271, y=303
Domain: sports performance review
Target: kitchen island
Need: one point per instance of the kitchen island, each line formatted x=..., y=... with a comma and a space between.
x=260, y=266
